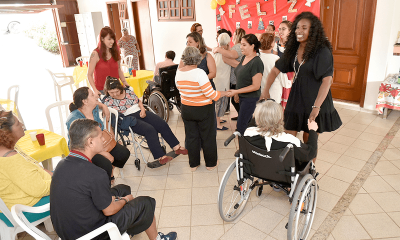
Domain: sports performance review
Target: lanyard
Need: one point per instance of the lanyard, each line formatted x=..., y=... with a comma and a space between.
x=74, y=153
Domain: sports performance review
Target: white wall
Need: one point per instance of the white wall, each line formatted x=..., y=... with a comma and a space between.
x=94, y=6
x=382, y=62
x=172, y=35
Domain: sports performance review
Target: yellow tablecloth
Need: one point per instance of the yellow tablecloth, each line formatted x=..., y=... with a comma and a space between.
x=56, y=145
x=80, y=74
x=138, y=83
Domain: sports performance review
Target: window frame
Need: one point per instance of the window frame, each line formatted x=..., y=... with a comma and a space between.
x=180, y=11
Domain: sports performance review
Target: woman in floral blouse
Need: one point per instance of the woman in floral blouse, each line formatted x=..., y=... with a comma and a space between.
x=130, y=46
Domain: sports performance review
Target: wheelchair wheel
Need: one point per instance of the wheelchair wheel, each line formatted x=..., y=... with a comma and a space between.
x=232, y=197
x=259, y=190
x=159, y=104
x=303, y=208
x=170, y=106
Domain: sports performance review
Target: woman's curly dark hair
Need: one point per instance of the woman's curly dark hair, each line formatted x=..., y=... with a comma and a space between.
x=316, y=38
x=7, y=120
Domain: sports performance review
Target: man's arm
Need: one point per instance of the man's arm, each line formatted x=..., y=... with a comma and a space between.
x=115, y=206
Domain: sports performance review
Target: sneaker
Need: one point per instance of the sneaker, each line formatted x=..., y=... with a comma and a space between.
x=169, y=236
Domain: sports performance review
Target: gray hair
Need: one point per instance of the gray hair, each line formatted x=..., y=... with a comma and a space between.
x=80, y=131
x=191, y=56
x=124, y=29
x=269, y=117
x=224, y=39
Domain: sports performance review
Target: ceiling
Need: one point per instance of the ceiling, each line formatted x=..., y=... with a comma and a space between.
x=26, y=6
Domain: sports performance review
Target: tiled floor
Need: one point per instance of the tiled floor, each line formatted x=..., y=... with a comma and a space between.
x=187, y=202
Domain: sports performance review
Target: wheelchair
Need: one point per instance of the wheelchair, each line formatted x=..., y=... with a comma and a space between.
x=161, y=95
x=254, y=168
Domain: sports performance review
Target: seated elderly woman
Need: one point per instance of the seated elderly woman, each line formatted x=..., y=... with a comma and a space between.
x=86, y=105
x=22, y=179
x=269, y=133
x=147, y=124
x=197, y=95
x=222, y=79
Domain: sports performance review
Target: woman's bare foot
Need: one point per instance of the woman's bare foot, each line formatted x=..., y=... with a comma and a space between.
x=194, y=168
x=212, y=168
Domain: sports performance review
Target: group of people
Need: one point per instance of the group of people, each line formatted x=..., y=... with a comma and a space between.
x=249, y=73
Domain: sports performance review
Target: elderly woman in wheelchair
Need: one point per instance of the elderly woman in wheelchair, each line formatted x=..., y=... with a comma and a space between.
x=269, y=156
x=147, y=124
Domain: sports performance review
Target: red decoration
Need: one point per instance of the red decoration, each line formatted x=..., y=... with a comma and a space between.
x=250, y=13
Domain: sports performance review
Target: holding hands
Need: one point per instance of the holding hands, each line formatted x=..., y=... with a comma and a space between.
x=312, y=125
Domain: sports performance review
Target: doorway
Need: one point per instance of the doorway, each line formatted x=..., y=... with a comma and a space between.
x=142, y=23
x=114, y=19
x=349, y=25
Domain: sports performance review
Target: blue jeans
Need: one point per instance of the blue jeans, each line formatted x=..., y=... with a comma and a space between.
x=247, y=107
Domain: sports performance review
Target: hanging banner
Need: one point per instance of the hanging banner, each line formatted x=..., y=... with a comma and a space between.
x=255, y=15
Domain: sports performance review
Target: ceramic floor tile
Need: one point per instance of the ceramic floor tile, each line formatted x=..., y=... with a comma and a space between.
x=348, y=227
x=131, y=171
x=328, y=156
x=393, y=180
x=395, y=216
x=333, y=185
x=377, y=130
x=277, y=202
x=322, y=166
x=182, y=232
x=280, y=232
x=365, y=145
x=379, y=225
x=205, y=179
x=396, y=142
x=152, y=183
x=389, y=201
x=243, y=231
x=177, y=197
x=156, y=171
x=207, y=232
x=325, y=137
x=205, y=215
x=386, y=168
x=226, y=153
x=364, y=204
x=376, y=184
x=392, y=154
x=335, y=147
x=158, y=195
x=224, y=164
x=341, y=173
x=208, y=195
x=319, y=217
x=350, y=163
x=371, y=137
x=326, y=201
x=347, y=112
x=179, y=168
x=175, y=181
x=175, y=216
x=396, y=163
x=359, y=153
x=263, y=218
x=361, y=120
x=342, y=139
x=349, y=132
x=133, y=182
x=355, y=126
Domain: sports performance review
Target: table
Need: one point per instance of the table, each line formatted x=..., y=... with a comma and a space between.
x=138, y=83
x=388, y=96
x=80, y=74
x=56, y=145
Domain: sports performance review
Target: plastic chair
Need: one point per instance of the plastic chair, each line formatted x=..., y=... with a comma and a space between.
x=12, y=105
x=128, y=60
x=10, y=232
x=58, y=84
x=20, y=218
x=124, y=68
x=84, y=59
x=62, y=117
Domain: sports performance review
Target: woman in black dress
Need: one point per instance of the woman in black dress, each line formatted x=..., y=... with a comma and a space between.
x=308, y=54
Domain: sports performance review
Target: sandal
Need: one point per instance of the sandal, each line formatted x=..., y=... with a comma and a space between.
x=182, y=151
x=165, y=159
x=223, y=128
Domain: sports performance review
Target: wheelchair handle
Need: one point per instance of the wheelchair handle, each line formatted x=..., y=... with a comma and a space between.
x=230, y=138
x=285, y=151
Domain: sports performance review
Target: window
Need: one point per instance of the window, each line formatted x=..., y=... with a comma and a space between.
x=176, y=10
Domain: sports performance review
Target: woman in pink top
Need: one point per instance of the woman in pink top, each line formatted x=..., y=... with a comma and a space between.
x=105, y=61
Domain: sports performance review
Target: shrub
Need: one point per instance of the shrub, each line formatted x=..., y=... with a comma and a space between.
x=44, y=37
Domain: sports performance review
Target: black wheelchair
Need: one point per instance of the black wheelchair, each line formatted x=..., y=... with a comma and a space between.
x=161, y=95
x=254, y=168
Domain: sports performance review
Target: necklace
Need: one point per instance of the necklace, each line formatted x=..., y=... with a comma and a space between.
x=294, y=67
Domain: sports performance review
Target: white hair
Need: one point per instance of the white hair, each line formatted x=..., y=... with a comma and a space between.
x=124, y=29
x=224, y=39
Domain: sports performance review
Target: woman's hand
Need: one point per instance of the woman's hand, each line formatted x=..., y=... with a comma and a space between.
x=236, y=98
x=312, y=125
x=232, y=93
x=106, y=113
x=265, y=95
x=97, y=93
x=314, y=113
x=143, y=113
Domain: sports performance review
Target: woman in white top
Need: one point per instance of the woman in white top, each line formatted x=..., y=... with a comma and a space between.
x=221, y=80
x=284, y=30
x=269, y=59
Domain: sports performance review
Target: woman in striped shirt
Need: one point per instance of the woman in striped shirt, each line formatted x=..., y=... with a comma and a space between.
x=197, y=95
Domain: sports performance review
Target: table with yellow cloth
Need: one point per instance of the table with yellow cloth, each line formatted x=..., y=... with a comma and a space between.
x=56, y=145
x=138, y=83
x=80, y=74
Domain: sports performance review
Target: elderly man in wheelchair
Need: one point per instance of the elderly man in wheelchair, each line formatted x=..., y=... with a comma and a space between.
x=269, y=156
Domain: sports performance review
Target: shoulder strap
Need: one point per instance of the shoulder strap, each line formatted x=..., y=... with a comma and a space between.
x=6, y=154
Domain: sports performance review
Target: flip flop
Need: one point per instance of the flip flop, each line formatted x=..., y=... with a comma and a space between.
x=223, y=121
x=223, y=128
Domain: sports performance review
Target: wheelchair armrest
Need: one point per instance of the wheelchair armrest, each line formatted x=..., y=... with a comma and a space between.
x=152, y=84
x=285, y=151
x=229, y=139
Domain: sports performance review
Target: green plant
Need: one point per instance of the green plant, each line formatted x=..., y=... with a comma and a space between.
x=44, y=37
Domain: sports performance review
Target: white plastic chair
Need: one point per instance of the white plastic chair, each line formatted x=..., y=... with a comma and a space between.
x=128, y=60
x=9, y=233
x=61, y=80
x=62, y=114
x=124, y=68
x=12, y=104
x=19, y=217
x=84, y=59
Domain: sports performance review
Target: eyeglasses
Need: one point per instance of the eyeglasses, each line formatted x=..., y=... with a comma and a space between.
x=263, y=100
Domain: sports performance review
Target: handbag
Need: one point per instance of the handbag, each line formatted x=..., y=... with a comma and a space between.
x=109, y=142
